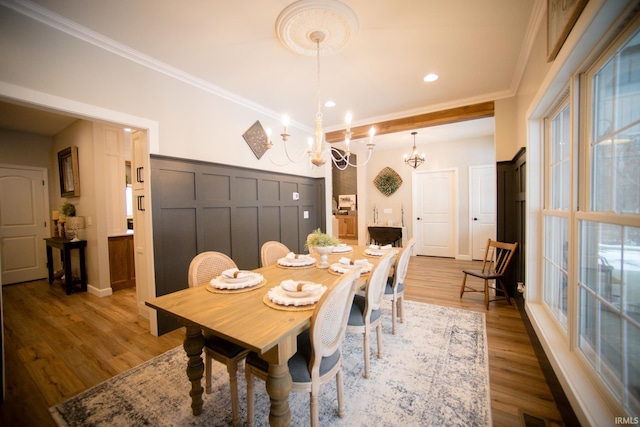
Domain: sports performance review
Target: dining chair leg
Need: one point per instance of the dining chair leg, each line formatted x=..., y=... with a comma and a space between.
x=313, y=407
x=486, y=293
x=367, y=354
x=379, y=339
x=250, y=396
x=207, y=372
x=232, y=368
x=464, y=282
x=340, y=390
x=394, y=314
x=504, y=290
x=400, y=308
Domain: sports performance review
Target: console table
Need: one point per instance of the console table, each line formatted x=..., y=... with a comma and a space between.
x=66, y=245
x=385, y=235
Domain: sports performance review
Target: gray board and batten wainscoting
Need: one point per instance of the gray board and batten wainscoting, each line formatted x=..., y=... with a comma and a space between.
x=199, y=206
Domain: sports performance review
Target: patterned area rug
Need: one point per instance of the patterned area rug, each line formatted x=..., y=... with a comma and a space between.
x=434, y=372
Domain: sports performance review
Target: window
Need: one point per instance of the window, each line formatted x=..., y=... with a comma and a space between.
x=609, y=228
x=591, y=219
x=556, y=213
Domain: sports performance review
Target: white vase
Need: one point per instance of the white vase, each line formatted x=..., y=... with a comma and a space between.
x=324, y=251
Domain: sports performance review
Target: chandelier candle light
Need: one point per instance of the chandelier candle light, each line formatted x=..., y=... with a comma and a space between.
x=416, y=159
x=307, y=23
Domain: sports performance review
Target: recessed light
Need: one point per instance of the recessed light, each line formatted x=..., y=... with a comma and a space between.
x=431, y=77
x=330, y=104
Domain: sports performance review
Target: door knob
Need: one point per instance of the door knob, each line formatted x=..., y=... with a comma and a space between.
x=419, y=218
x=475, y=219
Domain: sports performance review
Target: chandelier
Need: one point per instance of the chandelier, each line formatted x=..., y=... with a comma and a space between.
x=301, y=26
x=416, y=159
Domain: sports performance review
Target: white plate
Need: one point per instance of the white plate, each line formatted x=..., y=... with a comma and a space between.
x=302, y=294
x=227, y=276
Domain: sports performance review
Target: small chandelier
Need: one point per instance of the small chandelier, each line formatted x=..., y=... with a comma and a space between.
x=416, y=159
x=291, y=24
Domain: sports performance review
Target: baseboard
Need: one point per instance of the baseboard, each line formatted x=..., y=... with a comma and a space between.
x=99, y=292
x=562, y=402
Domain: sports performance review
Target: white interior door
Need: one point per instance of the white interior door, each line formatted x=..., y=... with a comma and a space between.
x=435, y=205
x=22, y=224
x=482, y=202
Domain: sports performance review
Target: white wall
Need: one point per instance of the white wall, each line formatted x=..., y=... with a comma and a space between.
x=195, y=123
x=445, y=155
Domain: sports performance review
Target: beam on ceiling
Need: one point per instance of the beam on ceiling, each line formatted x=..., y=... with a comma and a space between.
x=443, y=117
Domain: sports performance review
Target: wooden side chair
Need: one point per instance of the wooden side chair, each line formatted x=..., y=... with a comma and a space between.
x=204, y=267
x=394, y=290
x=497, y=256
x=318, y=359
x=271, y=252
x=366, y=310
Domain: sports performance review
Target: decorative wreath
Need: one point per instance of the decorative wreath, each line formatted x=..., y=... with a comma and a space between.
x=388, y=181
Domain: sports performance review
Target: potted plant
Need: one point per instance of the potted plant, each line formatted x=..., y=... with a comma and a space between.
x=323, y=244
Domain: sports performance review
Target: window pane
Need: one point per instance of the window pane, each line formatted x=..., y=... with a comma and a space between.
x=633, y=365
x=630, y=275
x=559, y=158
x=555, y=266
x=609, y=307
x=627, y=170
x=615, y=146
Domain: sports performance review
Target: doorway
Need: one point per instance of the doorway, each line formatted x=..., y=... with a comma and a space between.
x=435, y=212
x=23, y=226
x=482, y=203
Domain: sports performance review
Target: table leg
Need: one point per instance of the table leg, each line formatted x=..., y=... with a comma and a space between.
x=193, y=345
x=83, y=270
x=68, y=275
x=278, y=386
x=50, y=263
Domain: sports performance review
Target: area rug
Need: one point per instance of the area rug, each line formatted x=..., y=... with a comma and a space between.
x=434, y=372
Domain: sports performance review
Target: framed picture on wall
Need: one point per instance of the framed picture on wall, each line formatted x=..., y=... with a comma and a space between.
x=69, y=173
x=561, y=17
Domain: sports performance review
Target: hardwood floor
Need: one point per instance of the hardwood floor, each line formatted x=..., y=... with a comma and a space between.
x=57, y=345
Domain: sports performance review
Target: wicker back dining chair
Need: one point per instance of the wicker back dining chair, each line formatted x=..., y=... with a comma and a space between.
x=318, y=358
x=271, y=252
x=394, y=290
x=366, y=310
x=204, y=267
x=497, y=256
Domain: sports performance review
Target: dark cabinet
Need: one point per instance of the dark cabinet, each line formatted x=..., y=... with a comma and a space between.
x=511, y=214
x=122, y=262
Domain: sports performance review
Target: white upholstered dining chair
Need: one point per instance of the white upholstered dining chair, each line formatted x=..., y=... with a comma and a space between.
x=394, y=290
x=318, y=358
x=271, y=252
x=204, y=267
x=366, y=310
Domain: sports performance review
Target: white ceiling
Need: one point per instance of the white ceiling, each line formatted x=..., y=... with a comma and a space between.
x=478, y=48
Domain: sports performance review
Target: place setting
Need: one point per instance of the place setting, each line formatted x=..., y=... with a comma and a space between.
x=342, y=248
x=292, y=260
x=294, y=295
x=377, y=250
x=346, y=264
x=234, y=280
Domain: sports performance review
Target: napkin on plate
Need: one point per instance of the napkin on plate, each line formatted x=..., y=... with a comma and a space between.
x=349, y=261
x=297, y=286
x=378, y=247
x=234, y=273
x=292, y=256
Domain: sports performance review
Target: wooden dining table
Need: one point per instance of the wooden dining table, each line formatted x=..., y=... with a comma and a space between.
x=247, y=319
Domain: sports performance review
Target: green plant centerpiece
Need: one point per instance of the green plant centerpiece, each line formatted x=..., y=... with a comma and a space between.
x=323, y=244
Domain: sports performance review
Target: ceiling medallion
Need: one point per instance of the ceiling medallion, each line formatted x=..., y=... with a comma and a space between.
x=300, y=19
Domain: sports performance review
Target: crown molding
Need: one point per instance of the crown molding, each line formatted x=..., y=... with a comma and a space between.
x=67, y=26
